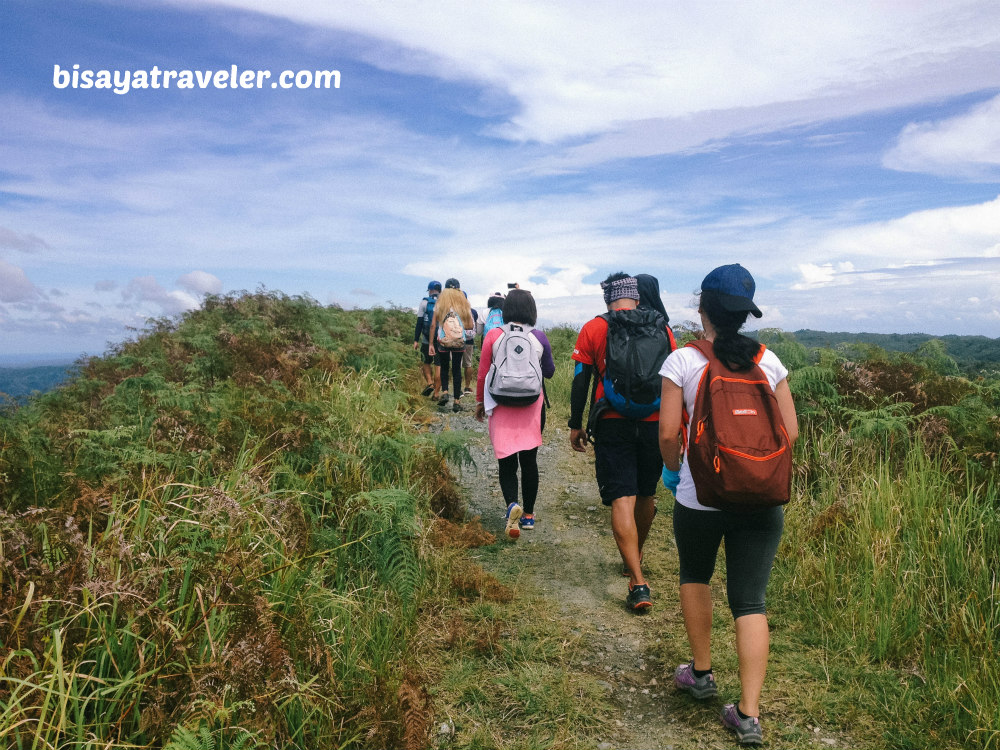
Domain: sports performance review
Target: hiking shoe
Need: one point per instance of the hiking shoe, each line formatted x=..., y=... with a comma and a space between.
x=456, y=407
x=638, y=598
x=443, y=401
x=747, y=730
x=699, y=687
x=528, y=521
x=427, y=391
x=467, y=392
x=513, y=515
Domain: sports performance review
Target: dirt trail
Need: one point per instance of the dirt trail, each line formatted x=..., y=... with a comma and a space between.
x=571, y=557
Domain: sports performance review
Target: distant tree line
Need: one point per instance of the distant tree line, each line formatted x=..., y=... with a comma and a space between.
x=18, y=382
x=973, y=354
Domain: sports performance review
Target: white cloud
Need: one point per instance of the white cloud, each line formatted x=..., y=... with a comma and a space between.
x=923, y=236
x=581, y=68
x=966, y=145
x=200, y=282
x=25, y=242
x=146, y=289
x=15, y=285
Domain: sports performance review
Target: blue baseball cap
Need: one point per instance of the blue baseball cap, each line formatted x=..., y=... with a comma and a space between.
x=735, y=287
x=434, y=286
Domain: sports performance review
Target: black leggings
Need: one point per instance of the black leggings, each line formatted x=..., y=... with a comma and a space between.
x=452, y=358
x=529, y=478
x=751, y=541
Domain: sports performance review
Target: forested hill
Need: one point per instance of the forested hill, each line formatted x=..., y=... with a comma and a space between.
x=18, y=382
x=970, y=352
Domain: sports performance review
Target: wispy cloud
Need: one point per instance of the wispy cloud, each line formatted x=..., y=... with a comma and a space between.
x=577, y=68
x=966, y=146
x=25, y=242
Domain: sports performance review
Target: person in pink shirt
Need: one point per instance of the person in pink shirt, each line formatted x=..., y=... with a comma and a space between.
x=515, y=431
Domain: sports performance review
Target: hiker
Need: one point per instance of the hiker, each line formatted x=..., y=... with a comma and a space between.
x=752, y=535
x=627, y=458
x=469, y=357
x=649, y=295
x=510, y=390
x=494, y=315
x=425, y=312
x=452, y=318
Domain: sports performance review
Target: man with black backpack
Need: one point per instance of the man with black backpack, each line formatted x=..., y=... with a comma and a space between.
x=623, y=350
x=421, y=340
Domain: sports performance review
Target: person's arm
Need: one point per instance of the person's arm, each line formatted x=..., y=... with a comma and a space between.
x=485, y=361
x=548, y=363
x=787, y=405
x=432, y=333
x=421, y=309
x=671, y=411
x=579, y=394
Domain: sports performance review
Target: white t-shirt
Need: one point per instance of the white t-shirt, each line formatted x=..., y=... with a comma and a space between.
x=684, y=368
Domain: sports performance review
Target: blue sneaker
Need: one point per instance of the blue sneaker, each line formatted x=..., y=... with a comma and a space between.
x=528, y=521
x=513, y=515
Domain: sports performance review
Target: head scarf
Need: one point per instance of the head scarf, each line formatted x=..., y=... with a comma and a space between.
x=620, y=289
x=649, y=294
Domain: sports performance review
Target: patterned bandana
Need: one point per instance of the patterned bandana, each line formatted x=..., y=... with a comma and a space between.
x=626, y=288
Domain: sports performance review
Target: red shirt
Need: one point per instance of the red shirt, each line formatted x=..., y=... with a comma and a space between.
x=592, y=349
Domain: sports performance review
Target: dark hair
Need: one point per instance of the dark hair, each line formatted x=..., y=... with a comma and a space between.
x=732, y=347
x=616, y=277
x=519, y=307
x=494, y=303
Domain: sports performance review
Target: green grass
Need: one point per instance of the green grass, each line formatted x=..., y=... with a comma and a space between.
x=218, y=536
x=211, y=537
x=890, y=565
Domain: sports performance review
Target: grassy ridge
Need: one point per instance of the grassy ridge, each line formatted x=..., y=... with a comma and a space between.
x=889, y=556
x=223, y=535
x=210, y=537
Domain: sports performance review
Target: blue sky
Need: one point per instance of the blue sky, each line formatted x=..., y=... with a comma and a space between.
x=847, y=153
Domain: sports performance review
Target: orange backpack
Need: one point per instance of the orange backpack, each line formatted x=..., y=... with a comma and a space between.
x=739, y=452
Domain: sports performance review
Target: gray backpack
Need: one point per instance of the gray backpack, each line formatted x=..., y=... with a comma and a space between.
x=515, y=376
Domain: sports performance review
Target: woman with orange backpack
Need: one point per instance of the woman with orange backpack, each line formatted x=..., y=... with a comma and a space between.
x=706, y=514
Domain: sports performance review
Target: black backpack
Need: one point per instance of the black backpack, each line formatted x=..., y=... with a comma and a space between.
x=638, y=343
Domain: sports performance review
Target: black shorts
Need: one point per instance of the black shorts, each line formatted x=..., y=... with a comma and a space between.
x=751, y=541
x=425, y=355
x=627, y=458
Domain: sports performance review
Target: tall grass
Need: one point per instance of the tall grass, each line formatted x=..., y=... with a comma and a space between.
x=210, y=538
x=889, y=560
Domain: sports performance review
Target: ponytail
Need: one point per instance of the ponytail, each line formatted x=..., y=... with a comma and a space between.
x=732, y=347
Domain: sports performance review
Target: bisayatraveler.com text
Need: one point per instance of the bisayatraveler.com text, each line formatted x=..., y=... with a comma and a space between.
x=124, y=81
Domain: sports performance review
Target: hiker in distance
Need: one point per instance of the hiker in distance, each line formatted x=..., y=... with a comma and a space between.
x=516, y=358
x=469, y=357
x=623, y=351
x=726, y=496
x=421, y=339
x=452, y=318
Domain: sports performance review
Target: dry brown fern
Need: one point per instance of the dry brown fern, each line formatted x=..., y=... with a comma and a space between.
x=415, y=702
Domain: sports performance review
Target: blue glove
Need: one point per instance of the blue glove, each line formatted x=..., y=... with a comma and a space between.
x=671, y=479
